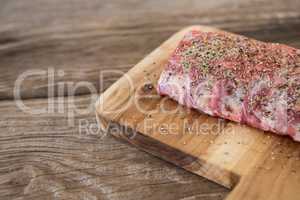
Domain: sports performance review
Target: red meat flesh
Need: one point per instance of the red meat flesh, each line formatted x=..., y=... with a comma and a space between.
x=236, y=78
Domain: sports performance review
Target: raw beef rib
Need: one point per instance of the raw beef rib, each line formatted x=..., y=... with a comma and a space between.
x=236, y=78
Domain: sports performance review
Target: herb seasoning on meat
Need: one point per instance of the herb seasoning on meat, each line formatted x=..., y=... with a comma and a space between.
x=237, y=78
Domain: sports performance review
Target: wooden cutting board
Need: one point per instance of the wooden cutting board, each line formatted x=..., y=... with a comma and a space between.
x=257, y=165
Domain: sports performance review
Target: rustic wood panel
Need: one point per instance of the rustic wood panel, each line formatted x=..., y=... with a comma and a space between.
x=39, y=155
x=44, y=157
x=83, y=38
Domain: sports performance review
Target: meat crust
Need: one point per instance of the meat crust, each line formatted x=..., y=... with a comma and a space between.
x=236, y=78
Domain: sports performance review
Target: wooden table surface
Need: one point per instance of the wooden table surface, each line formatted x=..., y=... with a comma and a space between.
x=48, y=156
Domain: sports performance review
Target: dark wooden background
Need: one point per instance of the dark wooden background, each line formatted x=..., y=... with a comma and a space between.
x=44, y=156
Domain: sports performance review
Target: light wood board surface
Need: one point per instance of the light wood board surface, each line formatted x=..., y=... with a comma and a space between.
x=257, y=165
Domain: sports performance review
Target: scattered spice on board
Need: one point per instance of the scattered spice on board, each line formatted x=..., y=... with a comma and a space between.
x=148, y=87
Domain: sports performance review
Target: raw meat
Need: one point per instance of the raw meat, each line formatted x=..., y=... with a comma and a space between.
x=236, y=78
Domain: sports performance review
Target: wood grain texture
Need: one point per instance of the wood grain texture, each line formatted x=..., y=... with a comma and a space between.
x=44, y=157
x=257, y=164
x=83, y=38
